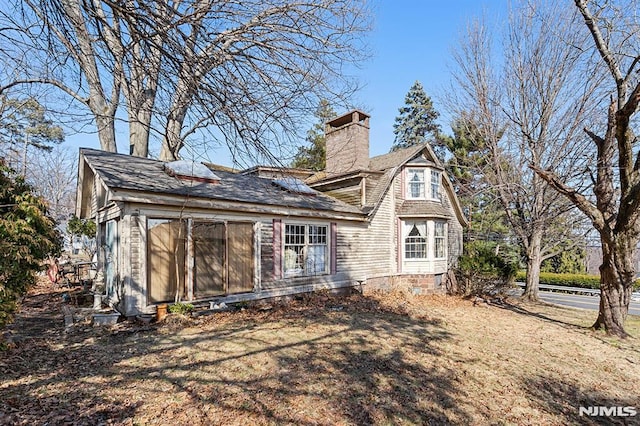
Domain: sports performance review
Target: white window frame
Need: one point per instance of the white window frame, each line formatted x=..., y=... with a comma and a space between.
x=442, y=238
x=407, y=239
x=297, y=247
x=432, y=228
x=435, y=184
x=410, y=172
x=433, y=191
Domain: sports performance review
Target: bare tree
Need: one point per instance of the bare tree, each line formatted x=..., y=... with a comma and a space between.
x=613, y=206
x=527, y=109
x=53, y=176
x=245, y=70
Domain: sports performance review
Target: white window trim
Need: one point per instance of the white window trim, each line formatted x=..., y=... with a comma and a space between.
x=408, y=172
x=431, y=244
x=444, y=239
x=427, y=181
x=303, y=274
x=407, y=227
x=431, y=184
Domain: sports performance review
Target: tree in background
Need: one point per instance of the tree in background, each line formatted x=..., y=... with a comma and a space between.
x=53, y=176
x=24, y=123
x=313, y=156
x=466, y=167
x=27, y=238
x=244, y=72
x=612, y=202
x=528, y=111
x=568, y=262
x=85, y=229
x=416, y=123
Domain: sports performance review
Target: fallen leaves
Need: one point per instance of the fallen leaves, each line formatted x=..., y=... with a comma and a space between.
x=315, y=360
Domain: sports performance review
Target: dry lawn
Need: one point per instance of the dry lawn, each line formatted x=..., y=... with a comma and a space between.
x=321, y=361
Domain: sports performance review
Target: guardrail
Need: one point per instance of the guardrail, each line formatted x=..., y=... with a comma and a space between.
x=577, y=290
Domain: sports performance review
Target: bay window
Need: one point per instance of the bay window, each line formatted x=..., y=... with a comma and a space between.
x=424, y=239
x=416, y=183
x=416, y=188
x=415, y=241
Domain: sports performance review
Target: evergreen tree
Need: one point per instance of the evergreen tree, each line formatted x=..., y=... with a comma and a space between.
x=467, y=169
x=416, y=121
x=313, y=156
x=23, y=124
x=27, y=238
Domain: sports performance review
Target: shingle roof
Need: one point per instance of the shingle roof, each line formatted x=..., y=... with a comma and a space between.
x=125, y=172
x=394, y=158
x=418, y=208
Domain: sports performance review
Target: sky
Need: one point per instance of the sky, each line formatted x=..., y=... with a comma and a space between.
x=411, y=40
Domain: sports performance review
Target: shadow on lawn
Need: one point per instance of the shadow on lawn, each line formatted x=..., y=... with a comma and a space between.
x=563, y=398
x=518, y=309
x=345, y=361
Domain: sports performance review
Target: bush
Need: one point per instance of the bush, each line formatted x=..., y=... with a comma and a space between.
x=483, y=271
x=569, y=280
x=181, y=308
x=27, y=238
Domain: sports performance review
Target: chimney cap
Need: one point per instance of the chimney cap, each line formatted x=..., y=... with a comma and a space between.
x=354, y=116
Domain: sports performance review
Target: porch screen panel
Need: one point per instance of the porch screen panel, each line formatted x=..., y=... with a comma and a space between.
x=165, y=259
x=209, y=255
x=240, y=257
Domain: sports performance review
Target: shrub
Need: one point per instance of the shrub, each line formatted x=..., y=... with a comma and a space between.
x=481, y=270
x=181, y=308
x=569, y=280
x=27, y=238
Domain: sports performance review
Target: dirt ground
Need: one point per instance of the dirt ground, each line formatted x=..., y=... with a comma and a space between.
x=322, y=360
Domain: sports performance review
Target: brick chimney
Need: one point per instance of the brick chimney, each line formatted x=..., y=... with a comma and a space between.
x=347, y=139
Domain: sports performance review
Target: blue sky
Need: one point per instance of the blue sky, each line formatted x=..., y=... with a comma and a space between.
x=411, y=40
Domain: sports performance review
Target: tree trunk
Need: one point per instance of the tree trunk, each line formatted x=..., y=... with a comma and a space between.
x=106, y=133
x=534, y=260
x=616, y=282
x=172, y=142
x=138, y=139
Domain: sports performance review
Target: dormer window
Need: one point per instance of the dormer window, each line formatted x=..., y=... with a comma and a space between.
x=435, y=185
x=416, y=184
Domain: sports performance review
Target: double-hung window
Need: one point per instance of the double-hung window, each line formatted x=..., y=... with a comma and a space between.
x=415, y=240
x=435, y=185
x=305, y=250
x=416, y=183
x=439, y=240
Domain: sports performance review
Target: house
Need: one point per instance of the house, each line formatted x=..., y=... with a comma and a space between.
x=184, y=231
x=415, y=222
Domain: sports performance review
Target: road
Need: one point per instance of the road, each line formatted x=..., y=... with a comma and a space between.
x=584, y=302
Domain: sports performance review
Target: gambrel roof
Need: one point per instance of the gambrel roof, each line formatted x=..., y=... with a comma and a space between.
x=380, y=174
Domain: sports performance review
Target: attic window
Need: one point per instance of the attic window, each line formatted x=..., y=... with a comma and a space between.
x=190, y=170
x=294, y=185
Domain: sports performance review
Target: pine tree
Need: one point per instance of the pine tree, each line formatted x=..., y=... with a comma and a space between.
x=416, y=121
x=25, y=123
x=313, y=156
